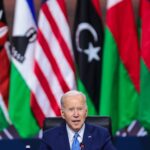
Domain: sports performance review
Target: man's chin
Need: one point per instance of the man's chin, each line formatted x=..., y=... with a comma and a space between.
x=76, y=128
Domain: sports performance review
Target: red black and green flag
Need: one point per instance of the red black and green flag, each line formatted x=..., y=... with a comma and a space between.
x=121, y=63
x=87, y=44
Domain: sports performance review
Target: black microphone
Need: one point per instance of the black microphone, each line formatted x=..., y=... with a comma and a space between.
x=82, y=146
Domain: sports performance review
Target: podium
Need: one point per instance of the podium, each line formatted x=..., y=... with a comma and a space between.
x=121, y=143
x=20, y=144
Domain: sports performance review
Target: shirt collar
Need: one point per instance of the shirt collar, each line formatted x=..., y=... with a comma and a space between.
x=71, y=133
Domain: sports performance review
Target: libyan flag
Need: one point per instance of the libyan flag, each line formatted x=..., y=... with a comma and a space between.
x=120, y=73
x=87, y=44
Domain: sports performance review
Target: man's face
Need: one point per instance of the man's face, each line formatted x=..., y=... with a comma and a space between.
x=74, y=111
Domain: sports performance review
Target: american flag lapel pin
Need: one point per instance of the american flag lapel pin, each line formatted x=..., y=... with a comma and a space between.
x=89, y=136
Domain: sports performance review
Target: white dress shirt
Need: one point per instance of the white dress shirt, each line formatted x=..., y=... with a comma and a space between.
x=71, y=134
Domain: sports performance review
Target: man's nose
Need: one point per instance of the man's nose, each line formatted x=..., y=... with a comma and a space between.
x=76, y=112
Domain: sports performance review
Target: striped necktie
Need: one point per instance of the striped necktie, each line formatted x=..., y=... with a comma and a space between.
x=76, y=144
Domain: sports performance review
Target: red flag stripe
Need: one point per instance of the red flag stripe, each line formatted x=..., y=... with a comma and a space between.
x=37, y=110
x=51, y=59
x=47, y=89
x=63, y=8
x=4, y=58
x=58, y=35
x=126, y=38
x=4, y=75
x=41, y=98
x=145, y=40
x=96, y=4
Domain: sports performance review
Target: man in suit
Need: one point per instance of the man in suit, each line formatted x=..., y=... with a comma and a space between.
x=75, y=134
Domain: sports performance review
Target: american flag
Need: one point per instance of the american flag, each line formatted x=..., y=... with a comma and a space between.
x=54, y=63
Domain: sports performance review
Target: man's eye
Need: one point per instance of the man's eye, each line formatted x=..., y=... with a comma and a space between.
x=71, y=109
x=80, y=109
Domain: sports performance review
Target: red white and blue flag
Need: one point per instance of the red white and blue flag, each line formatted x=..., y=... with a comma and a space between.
x=54, y=63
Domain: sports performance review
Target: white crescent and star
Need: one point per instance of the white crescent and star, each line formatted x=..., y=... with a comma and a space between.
x=91, y=51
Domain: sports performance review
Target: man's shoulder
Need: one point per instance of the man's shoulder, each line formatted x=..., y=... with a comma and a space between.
x=96, y=128
x=97, y=132
x=54, y=131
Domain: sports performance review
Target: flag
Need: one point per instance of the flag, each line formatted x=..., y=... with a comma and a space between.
x=120, y=73
x=9, y=133
x=23, y=39
x=4, y=70
x=144, y=105
x=54, y=63
x=87, y=44
x=134, y=129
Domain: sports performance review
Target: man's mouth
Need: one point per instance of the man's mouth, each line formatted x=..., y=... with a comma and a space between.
x=75, y=121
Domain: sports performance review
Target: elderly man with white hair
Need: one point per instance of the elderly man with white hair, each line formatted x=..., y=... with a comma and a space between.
x=75, y=134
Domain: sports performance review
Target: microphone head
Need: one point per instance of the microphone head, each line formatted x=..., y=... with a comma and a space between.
x=82, y=146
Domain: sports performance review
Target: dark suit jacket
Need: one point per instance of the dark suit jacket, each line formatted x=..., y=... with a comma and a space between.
x=94, y=138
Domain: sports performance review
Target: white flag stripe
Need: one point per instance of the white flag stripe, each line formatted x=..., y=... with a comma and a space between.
x=142, y=132
x=22, y=7
x=57, y=53
x=112, y=3
x=8, y=134
x=42, y=99
x=27, y=65
x=49, y=74
x=4, y=109
x=63, y=26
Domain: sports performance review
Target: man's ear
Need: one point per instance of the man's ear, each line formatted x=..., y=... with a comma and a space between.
x=62, y=113
x=86, y=112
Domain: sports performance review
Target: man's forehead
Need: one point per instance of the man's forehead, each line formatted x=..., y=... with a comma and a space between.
x=73, y=95
x=74, y=99
x=75, y=106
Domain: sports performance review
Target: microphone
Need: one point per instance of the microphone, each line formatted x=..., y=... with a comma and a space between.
x=82, y=146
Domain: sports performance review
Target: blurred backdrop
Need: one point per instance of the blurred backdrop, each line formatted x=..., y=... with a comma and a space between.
x=111, y=76
x=71, y=4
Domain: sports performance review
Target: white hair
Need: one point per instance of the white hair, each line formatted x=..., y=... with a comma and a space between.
x=72, y=93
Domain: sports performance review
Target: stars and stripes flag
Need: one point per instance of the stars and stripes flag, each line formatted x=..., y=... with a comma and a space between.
x=54, y=63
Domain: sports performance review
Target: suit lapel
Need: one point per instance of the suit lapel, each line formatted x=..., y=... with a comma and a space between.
x=87, y=138
x=63, y=137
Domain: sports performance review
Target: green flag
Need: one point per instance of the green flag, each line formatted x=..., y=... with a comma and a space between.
x=120, y=70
